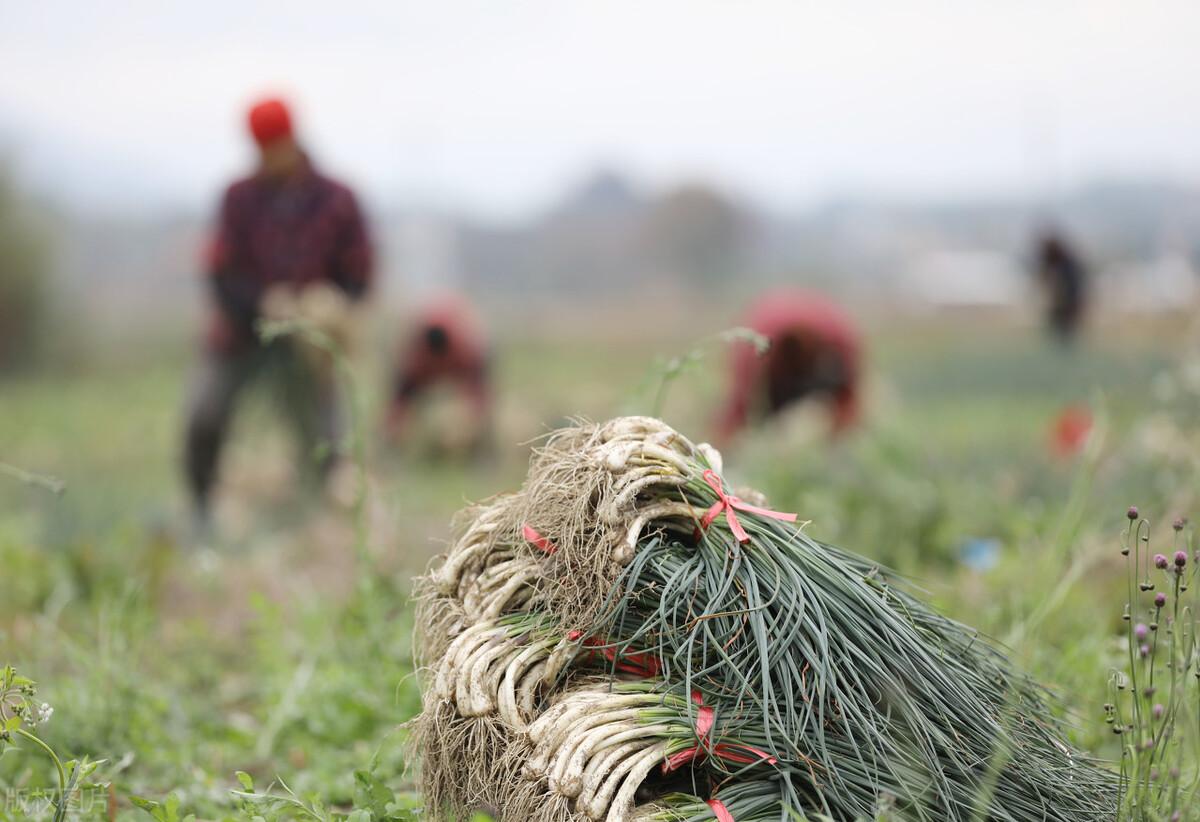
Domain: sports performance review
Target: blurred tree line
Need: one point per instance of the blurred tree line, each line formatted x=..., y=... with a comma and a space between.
x=609, y=236
x=25, y=267
x=696, y=233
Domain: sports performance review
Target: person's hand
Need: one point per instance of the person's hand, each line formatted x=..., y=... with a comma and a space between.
x=329, y=311
x=279, y=303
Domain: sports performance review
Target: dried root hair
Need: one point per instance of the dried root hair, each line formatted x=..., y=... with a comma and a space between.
x=586, y=492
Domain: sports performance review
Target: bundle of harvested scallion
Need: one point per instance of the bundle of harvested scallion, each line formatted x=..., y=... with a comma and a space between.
x=625, y=638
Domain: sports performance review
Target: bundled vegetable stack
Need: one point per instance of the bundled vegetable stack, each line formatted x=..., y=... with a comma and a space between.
x=624, y=638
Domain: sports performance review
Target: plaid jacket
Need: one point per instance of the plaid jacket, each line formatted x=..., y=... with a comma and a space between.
x=302, y=230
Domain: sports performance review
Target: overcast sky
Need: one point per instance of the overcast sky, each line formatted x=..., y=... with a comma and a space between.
x=495, y=106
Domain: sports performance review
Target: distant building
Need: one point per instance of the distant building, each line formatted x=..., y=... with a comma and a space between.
x=1164, y=283
x=943, y=280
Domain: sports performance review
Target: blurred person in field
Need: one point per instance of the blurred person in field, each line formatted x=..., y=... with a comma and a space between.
x=290, y=244
x=814, y=354
x=1063, y=279
x=446, y=347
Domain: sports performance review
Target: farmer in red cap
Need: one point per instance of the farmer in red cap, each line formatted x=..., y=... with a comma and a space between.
x=446, y=346
x=814, y=353
x=287, y=237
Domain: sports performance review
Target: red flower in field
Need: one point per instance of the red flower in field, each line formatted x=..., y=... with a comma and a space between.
x=1071, y=429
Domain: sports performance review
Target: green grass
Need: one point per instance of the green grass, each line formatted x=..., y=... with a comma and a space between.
x=280, y=656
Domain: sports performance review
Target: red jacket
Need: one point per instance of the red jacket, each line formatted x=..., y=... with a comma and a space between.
x=797, y=314
x=447, y=343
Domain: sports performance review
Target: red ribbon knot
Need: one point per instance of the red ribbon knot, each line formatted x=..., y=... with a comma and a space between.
x=720, y=811
x=729, y=505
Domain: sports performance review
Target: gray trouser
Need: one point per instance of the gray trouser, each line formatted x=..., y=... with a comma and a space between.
x=307, y=397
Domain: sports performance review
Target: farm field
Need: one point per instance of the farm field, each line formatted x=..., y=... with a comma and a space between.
x=771, y=412
x=282, y=649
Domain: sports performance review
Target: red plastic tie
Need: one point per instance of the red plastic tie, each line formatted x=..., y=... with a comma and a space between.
x=735, y=752
x=639, y=663
x=704, y=717
x=537, y=540
x=704, y=723
x=732, y=752
x=730, y=504
x=720, y=811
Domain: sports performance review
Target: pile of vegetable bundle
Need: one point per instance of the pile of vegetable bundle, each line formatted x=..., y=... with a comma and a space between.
x=624, y=638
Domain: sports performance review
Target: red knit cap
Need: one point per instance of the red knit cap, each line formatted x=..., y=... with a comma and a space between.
x=269, y=121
